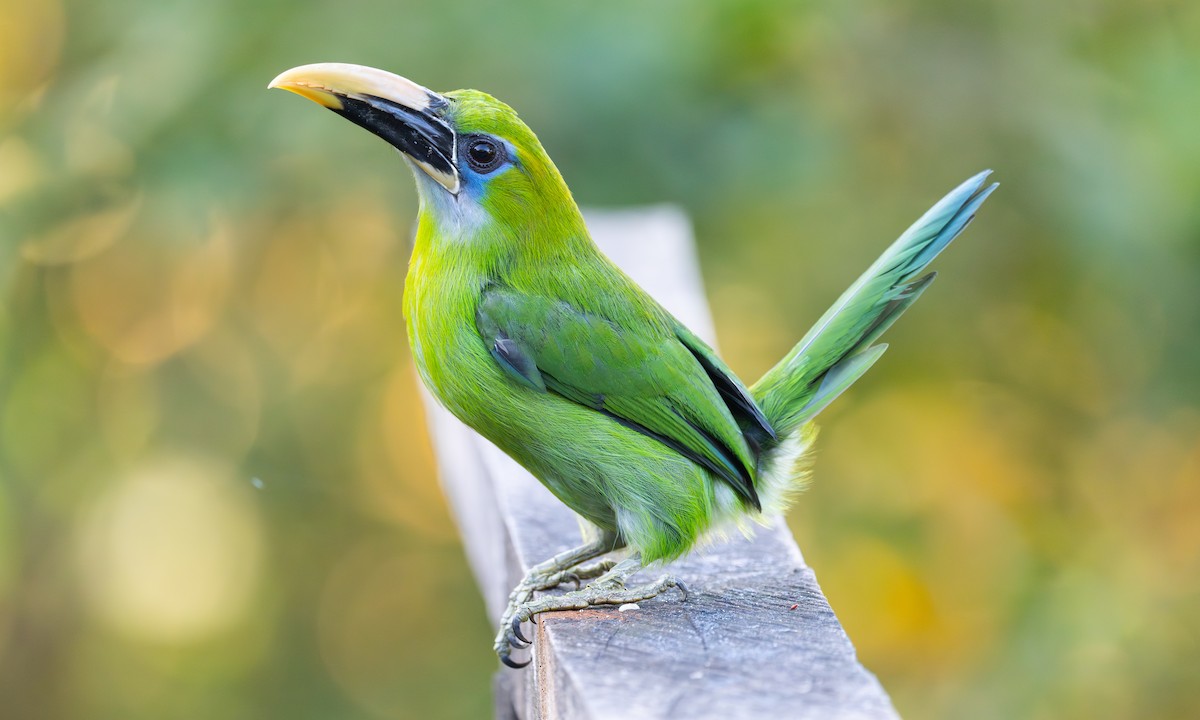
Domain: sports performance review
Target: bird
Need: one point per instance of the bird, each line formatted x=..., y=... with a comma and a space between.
x=523, y=329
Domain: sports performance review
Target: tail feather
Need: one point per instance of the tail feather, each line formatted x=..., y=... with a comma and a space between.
x=838, y=349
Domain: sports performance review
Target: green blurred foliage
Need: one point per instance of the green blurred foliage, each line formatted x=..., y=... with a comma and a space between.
x=216, y=494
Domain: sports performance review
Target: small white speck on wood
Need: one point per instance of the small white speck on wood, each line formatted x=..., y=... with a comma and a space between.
x=628, y=606
x=756, y=638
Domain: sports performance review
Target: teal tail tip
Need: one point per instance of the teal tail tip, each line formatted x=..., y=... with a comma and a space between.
x=976, y=182
x=952, y=214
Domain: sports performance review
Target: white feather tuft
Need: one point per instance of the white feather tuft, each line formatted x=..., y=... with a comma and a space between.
x=784, y=474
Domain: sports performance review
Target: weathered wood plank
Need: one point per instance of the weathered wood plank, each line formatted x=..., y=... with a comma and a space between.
x=735, y=649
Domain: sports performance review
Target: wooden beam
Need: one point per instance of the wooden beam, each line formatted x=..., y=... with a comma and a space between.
x=735, y=649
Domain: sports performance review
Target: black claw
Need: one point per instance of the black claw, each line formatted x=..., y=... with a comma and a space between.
x=518, y=644
x=514, y=665
x=683, y=589
x=516, y=627
x=572, y=577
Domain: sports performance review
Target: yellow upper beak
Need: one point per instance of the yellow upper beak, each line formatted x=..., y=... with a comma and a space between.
x=397, y=109
x=324, y=82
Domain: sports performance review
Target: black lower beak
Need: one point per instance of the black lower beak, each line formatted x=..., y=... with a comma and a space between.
x=419, y=134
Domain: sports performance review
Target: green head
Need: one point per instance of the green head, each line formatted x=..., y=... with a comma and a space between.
x=478, y=166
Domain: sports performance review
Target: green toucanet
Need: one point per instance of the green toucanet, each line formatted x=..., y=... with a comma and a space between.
x=523, y=329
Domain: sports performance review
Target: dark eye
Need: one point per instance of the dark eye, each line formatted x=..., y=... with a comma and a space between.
x=483, y=154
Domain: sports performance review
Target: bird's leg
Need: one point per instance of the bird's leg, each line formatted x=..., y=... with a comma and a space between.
x=563, y=567
x=589, y=571
x=608, y=589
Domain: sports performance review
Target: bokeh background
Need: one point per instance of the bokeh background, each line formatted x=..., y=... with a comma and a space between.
x=217, y=498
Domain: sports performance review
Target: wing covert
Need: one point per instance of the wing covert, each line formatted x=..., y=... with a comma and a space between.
x=645, y=377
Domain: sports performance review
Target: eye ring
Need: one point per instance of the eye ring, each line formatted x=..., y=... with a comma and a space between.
x=483, y=154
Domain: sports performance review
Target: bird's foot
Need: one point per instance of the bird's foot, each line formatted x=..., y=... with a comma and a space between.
x=608, y=589
x=563, y=568
x=533, y=582
x=586, y=572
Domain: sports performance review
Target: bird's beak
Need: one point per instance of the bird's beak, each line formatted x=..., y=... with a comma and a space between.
x=396, y=109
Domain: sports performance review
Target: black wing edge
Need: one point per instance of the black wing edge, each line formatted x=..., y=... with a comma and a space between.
x=755, y=425
x=742, y=484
